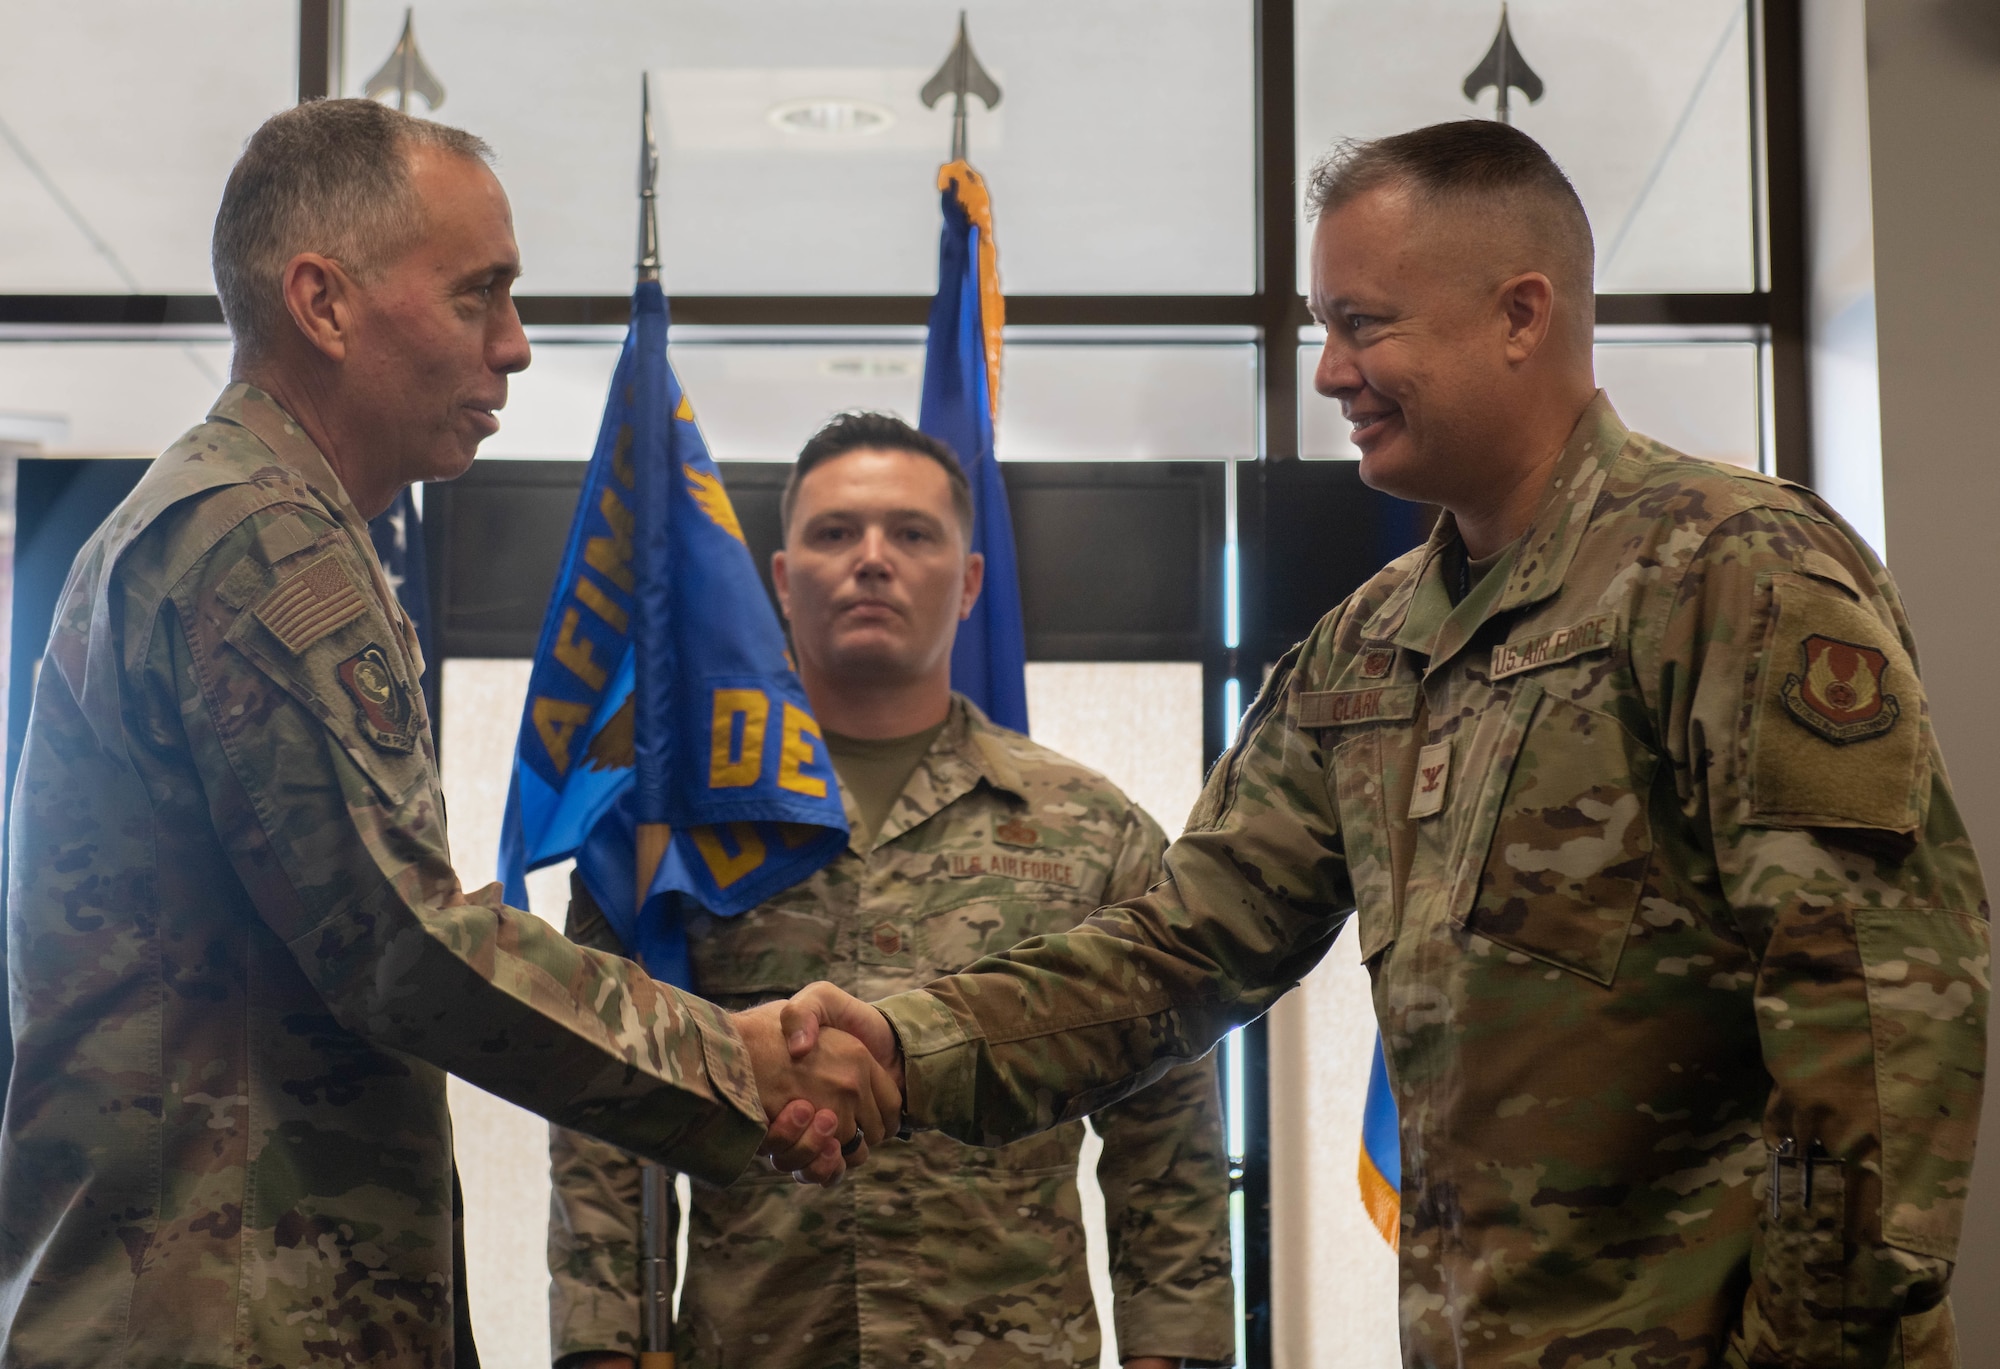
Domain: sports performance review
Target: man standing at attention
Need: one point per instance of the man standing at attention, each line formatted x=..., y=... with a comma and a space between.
x=1678, y=943
x=967, y=838
x=240, y=962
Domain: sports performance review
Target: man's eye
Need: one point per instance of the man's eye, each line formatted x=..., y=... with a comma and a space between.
x=1356, y=322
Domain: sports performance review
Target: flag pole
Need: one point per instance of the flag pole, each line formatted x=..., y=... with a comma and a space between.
x=656, y=1258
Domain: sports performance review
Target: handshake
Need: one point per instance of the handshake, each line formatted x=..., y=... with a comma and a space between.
x=829, y=1073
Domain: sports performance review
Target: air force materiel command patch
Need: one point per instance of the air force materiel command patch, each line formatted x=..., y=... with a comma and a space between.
x=1840, y=696
x=384, y=711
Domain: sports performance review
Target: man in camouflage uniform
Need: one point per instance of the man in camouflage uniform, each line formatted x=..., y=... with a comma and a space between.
x=240, y=960
x=967, y=838
x=1678, y=943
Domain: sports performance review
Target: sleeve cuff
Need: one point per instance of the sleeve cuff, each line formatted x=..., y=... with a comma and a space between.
x=740, y=1123
x=938, y=1062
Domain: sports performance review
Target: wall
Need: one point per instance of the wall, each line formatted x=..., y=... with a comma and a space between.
x=1934, y=125
x=1840, y=253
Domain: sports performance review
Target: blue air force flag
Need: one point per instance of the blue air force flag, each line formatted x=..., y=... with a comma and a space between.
x=961, y=397
x=666, y=742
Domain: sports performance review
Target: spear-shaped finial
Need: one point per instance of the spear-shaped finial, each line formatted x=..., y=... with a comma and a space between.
x=405, y=72
x=960, y=76
x=649, y=175
x=1503, y=67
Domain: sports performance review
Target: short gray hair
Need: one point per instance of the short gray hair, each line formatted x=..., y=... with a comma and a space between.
x=1468, y=161
x=329, y=176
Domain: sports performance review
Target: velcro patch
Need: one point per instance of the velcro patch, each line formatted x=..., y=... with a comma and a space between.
x=1550, y=648
x=383, y=710
x=308, y=605
x=1051, y=868
x=1836, y=737
x=1338, y=707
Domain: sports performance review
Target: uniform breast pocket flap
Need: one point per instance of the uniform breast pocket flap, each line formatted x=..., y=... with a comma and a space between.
x=1360, y=793
x=1563, y=857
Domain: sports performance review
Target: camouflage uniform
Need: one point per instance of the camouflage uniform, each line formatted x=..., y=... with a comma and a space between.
x=932, y=1254
x=241, y=964
x=1678, y=943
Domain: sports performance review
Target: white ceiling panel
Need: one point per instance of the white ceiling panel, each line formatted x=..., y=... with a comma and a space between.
x=119, y=121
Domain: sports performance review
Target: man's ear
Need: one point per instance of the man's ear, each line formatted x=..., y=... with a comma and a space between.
x=319, y=296
x=1529, y=303
x=975, y=580
x=781, y=581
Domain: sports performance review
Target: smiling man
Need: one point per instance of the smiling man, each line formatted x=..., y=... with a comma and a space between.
x=966, y=839
x=1678, y=944
x=240, y=962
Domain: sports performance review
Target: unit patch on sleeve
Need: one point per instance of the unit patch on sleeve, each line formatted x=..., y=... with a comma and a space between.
x=1840, y=695
x=1837, y=737
x=384, y=711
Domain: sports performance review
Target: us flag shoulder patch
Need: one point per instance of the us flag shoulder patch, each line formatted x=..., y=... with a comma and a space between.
x=308, y=605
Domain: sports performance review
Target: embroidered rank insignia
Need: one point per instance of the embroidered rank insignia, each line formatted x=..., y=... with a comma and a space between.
x=317, y=600
x=1840, y=695
x=1433, y=774
x=1015, y=832
x=1376, y=662
x=383, y=710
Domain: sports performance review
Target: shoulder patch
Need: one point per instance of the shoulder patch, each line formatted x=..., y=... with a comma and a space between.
x=1836, y=730
x=311, y=602
x=383, y=709
x=1839, y=693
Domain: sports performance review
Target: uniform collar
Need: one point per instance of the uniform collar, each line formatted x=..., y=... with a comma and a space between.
x=1418, y=613
x=969, y=749
x=249, y=407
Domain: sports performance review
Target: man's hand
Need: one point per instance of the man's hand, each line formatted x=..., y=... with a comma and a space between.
x=821, y=1005
x=826, y=1104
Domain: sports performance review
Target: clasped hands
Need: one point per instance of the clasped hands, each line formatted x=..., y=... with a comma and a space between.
x=829, y=1074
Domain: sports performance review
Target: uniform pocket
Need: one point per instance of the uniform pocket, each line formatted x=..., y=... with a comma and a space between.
x=1561, y=839
x=1360, y=785
x=1927, y=973
x=1805, y=1259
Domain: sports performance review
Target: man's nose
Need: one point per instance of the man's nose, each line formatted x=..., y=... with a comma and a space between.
x=1336, y=376
x=507, y=350
x=874, y=550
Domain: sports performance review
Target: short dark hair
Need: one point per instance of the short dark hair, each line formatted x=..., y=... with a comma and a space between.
x=862, y=428
x=1479, y=160
x=328, y=176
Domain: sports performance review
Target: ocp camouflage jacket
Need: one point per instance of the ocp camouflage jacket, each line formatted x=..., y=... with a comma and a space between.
x=1678, y=942
x=933, y=1253
x=240, y=963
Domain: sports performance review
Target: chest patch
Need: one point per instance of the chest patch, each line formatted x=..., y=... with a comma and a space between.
x=1337, y=707
x=1433, y=775
x=1050, y=867
x=1015, y=832
x=1377, y=662
x=383, y=708
x=306, y=606
x=1592, y=634
x=1840, y=695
